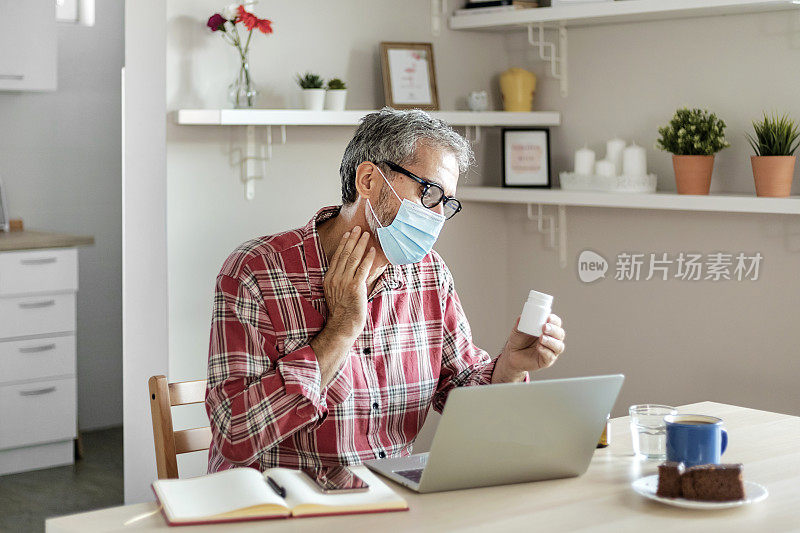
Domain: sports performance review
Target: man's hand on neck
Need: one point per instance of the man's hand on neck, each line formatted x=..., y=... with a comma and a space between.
x=350, y=217
x=351, y=277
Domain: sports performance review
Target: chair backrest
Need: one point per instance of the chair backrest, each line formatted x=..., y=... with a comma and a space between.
x=169, y=443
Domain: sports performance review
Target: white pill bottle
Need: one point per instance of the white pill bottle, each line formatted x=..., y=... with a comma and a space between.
x=535, y=313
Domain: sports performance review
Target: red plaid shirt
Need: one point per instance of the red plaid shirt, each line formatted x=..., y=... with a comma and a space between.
x=264, y=399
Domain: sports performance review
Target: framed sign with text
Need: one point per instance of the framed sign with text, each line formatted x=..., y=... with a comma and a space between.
x=409, y=77
x=526, y=157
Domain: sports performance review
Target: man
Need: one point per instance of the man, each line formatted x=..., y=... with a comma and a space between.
x=330, y=343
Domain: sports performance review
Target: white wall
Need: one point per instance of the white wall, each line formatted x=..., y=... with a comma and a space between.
x=677, y=341
x=208, y=214
x=144, y=257
x=626, y=80
x=60, y=162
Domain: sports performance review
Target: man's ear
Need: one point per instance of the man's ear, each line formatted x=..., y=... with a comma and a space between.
x=368, y=180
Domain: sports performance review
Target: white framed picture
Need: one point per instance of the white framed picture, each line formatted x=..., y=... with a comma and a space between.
x=409, y=79
x=526, y=157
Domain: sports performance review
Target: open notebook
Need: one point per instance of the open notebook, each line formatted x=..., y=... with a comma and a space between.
x=243, y=494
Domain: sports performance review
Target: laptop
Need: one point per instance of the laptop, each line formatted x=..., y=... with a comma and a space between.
x=510, y=433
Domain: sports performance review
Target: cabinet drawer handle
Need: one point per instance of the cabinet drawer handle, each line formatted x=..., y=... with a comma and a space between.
x=37, y=392
x=40, y=261
x=37, y=349
x=36, y=305
x=12, y=76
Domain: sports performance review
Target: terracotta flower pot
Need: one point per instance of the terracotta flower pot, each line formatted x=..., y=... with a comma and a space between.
x=773, y=174
x=693, y=173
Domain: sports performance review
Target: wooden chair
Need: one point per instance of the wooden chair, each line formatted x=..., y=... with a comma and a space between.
x=168, y=442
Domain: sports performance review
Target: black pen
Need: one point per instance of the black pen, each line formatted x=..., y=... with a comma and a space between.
x=277, y=488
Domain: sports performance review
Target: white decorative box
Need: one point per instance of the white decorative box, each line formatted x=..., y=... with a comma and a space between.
x=638, y=184
x=562, y=3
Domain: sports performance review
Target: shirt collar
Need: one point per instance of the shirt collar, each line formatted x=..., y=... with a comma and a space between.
x=316, y=261
x=392, y=278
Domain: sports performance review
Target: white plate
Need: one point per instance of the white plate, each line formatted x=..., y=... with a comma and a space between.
x=647, y=487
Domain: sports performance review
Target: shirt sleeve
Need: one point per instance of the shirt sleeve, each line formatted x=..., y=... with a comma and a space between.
x=463, y=363
x=256, y=396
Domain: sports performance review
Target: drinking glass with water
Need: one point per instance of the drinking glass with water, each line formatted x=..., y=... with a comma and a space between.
x=648, y=430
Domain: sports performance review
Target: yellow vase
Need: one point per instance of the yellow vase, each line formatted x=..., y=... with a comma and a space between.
x=517, y=86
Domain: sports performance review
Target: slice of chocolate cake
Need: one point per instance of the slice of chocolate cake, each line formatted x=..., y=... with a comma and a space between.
x=669, y=480
x=713, y=483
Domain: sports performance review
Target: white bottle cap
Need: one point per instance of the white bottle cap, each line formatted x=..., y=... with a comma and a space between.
x=540, y=298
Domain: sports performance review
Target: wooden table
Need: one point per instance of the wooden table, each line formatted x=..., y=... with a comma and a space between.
x=601, y=500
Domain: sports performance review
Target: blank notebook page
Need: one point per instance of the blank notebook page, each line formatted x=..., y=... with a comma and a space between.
x=215, y=494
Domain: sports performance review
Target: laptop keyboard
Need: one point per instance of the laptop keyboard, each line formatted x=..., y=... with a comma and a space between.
x=414, y=475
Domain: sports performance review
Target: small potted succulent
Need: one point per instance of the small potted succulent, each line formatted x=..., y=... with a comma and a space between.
x=313, y=90
x=693, y=136
x=336, y=95
x=775, y=141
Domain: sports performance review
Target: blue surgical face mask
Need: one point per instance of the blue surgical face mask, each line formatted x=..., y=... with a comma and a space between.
x=410, y=236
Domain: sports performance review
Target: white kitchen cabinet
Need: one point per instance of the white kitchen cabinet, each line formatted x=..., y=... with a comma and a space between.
x=39, y=412
x=37, y=358
x=38, y=398
x=28, y=51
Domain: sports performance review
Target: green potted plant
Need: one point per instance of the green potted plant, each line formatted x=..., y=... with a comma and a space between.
x=775, y=141
x=693, y=136
x=313, y=90
x=336, y=95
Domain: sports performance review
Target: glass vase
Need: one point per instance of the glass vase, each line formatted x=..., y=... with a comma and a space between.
x=242, y=92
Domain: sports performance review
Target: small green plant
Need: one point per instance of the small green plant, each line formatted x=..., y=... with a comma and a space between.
x=310, y=81
x=336, y=84
x=693, y=132
x=774, y=136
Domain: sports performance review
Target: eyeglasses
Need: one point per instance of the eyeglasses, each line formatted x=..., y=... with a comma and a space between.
x=432, y=193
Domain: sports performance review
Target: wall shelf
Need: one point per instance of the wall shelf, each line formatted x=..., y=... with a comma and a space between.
x=555, y=225
x=730, y=203
x=590, y=14
x=554, y=50
x=303, y=117
x=256, y=152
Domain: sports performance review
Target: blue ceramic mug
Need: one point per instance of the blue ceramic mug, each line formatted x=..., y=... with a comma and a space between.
x=695, y=439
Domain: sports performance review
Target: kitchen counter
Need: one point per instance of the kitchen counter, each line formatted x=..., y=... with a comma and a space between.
x=31, y=240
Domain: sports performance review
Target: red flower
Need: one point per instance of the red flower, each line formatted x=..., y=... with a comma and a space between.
x=248, y=19
x=265, y=25
x=251, y=21
x=216, y=22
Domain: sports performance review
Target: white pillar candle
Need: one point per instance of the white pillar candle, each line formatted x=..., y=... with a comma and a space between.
x=614, y=149
x=634, y=161
x=605, y=168
x=584, y=161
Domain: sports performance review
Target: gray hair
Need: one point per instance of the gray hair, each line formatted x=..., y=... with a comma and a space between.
x=393, y=135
